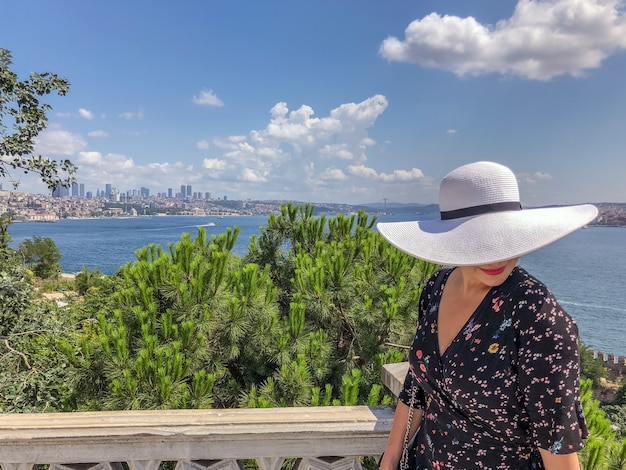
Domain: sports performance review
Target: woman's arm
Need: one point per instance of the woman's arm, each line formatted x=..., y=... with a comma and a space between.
x=559, y=461
x=393, y=451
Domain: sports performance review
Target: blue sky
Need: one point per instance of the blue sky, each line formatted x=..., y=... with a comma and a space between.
x=352, y=101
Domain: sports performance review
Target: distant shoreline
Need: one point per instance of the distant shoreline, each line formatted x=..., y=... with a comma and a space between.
x=159, y=215
x=118, y=217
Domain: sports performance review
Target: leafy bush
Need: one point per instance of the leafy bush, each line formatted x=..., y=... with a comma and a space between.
x=42, y=256
x=88, y=278
x=33, y=376
x=617, y=415
x=590, y=367
x=56, y=285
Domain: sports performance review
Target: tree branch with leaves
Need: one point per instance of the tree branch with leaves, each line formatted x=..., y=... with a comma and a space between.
x=23, y=116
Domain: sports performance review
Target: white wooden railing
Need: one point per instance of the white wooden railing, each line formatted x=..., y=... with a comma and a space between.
x=320, y=438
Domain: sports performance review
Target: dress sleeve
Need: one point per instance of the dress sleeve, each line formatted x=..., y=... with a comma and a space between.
x=412, y=394
x=548, y=373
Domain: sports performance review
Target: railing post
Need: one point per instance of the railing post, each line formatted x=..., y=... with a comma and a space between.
x=393, y=376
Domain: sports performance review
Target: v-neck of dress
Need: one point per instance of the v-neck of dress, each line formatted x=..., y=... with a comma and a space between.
x=472, y=318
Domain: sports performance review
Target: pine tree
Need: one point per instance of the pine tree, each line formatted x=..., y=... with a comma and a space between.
x=345, y=293
x=307, y=318
x=601, y=443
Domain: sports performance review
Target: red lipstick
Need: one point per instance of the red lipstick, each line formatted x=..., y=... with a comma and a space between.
x=493, y=272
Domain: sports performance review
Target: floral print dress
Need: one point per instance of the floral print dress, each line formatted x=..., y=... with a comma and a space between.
x=507, y=384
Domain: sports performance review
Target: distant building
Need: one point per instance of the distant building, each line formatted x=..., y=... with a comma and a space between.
x=40, y=217
x=169, y=193
x=189, y=193
x=74, y=189
x=81, y=190
x=60, y=191
x=107, y=190
x=183, y=191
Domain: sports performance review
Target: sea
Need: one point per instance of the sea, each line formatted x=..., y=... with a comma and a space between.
x=584, y=270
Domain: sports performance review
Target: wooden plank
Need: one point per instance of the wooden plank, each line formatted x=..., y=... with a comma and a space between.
x=193, y=434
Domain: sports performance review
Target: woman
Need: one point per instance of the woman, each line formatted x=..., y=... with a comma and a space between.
x=493, y=380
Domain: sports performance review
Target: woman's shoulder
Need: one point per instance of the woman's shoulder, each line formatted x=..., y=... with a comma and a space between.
x=522, y=282
x=534, y=302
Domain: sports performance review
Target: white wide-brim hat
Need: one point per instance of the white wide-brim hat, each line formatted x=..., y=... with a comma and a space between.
x=482, y=221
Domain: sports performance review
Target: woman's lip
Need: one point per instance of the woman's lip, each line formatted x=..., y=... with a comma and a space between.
x=493, y=272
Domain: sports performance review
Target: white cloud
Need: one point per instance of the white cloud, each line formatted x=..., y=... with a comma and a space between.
x=279, y=110
x=362, y=171
x=98, y=133
x=117, y=162
x=451, y=131
x=254, y=176
x=231, y=142
x=85, y=114
x=202, y=145
x=282, y=157
x=333, y=174
x=269, y=153
x=414, y=174
x=336, y=151
x=114, y=161
x=533, y=178
x=286, y=150
x=213, y=164
x=207, y=98
x=167, y=168
x=89, y=158
x=293, y=126
x=301, y=127
x=364, y=113
x=82, y=113
x=541, y=40
x=54, y=140
x=129, y=115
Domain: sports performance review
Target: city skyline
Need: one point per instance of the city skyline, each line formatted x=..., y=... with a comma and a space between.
x=110, y=190
x=353, y=102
